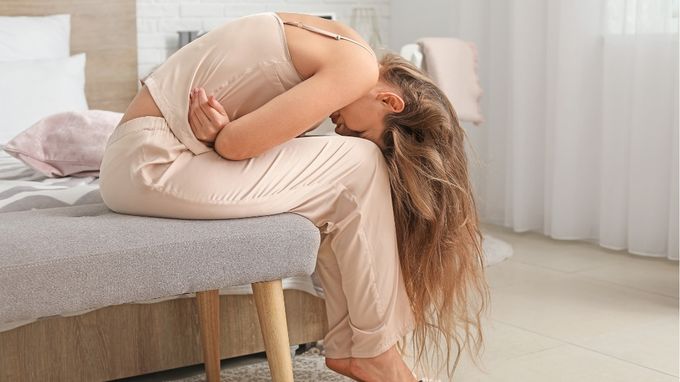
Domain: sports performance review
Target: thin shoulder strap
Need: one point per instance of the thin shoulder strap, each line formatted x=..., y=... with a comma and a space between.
x=327, y=33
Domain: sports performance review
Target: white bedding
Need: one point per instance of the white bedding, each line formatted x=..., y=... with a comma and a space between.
x=22, y=188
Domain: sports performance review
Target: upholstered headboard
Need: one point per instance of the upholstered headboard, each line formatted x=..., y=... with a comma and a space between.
x=106, y=31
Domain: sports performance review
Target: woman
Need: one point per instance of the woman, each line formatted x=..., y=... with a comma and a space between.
x=211, y=136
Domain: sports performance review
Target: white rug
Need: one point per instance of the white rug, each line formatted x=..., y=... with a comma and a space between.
x=309, y=366
x=495, y=250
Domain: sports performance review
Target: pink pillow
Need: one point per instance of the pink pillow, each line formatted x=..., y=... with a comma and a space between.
x=65, y=144
x=452, y=64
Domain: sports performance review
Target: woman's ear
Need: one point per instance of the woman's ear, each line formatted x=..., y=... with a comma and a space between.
x=392, y=101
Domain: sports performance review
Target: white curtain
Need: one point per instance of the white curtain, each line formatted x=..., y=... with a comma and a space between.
x=581, y=104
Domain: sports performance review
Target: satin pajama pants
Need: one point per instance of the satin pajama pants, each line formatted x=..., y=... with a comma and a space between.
x=339, y=183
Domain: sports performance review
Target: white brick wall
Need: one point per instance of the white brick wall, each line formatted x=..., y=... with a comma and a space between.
x=159, y=20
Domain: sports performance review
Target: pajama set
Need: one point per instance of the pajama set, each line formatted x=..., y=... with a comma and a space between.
x=155, y=166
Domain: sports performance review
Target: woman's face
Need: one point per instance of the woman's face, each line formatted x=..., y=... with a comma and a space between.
x=364, y=117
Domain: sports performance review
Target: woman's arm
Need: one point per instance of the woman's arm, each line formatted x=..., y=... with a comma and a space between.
x=289, y=114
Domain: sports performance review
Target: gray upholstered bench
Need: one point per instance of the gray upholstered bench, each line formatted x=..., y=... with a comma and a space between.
x=60, y=260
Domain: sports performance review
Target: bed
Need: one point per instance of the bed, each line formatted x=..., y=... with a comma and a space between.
x=130, y=339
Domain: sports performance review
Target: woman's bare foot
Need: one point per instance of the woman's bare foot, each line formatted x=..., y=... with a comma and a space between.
x=341, y=365
x=386, y=367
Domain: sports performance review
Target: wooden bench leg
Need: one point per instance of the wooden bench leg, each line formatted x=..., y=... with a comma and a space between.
x=272, y=315
x=209, y=323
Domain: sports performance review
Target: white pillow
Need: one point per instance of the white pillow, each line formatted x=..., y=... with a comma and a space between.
x=34, y=89
x=34, y=37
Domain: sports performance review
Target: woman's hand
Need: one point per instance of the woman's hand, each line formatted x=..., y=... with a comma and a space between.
x=206, y=116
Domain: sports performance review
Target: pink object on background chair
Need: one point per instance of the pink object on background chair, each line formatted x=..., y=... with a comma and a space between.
x=452, y=64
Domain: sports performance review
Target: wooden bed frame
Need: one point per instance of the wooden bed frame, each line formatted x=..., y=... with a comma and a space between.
x=130, y=339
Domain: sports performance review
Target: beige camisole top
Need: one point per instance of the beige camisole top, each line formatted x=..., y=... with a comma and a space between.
x=244, y=63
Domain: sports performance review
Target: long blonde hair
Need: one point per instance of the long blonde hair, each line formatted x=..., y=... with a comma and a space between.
x=438, y=233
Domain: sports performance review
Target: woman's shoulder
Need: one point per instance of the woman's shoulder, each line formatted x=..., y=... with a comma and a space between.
x=312, y=53
x=333, y=26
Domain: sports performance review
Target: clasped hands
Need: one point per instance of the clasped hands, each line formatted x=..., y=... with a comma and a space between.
x=207, y=117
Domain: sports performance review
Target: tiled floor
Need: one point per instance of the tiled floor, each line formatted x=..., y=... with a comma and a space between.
x=573, y=311
x=568, y=311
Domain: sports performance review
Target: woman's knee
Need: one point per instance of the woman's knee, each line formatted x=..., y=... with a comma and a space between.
x=366, y=148
x=369, y=167
x=352, y=161
x=366, y=156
